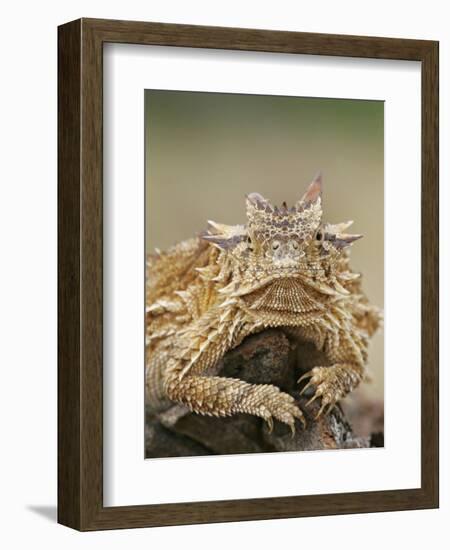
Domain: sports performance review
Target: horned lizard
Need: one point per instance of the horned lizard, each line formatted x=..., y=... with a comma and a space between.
x=285, y=268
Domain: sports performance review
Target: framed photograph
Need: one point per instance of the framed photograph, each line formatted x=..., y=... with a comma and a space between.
x=248, y=274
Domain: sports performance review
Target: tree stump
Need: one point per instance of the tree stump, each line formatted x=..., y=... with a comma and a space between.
x=264, y=358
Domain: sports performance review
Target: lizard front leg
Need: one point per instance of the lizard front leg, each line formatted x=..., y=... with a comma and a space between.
x=332, y=383
x=198, y=349
x=220, y=396
x=347, y=351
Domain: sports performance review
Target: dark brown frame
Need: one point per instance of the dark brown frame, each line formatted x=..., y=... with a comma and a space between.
x=80, y=416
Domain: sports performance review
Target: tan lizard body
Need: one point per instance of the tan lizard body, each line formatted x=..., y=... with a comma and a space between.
x=284, y=268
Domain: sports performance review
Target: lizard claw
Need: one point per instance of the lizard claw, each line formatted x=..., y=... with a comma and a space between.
x=322, y=408
x=308, y=385
x=313, y=398
x=313, y=375
x=279, y=406
x=329, y=386
x=300, y=416
x=306, y=375
x=292, y=426
x=269, y=422
x=330, y=403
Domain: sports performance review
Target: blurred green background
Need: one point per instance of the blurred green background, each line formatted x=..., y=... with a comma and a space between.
x=205, y=151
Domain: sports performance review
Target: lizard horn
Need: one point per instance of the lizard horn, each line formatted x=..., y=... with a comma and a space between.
x=258, y=202
x=224, y=236
x=313, y=193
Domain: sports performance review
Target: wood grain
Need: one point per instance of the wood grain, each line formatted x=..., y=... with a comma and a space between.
x=80, y=265
x=69, y=244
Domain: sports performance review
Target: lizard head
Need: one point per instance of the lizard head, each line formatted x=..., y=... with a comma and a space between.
x=281, y=243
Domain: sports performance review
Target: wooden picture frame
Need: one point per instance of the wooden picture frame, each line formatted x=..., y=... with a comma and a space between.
x=80, y=272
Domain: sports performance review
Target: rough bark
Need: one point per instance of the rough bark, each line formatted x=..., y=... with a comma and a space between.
x=264, y=358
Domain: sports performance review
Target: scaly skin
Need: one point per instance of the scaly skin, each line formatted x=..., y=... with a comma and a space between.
x=284, y=268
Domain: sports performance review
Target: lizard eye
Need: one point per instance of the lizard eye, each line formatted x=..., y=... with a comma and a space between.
x=295, y=245
x=249, y=242
x=319, y=236
x=275, y=245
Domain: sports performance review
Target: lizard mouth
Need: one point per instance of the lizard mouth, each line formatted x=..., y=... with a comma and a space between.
x=285, y=294
x=288, y=283
x=255, y=279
